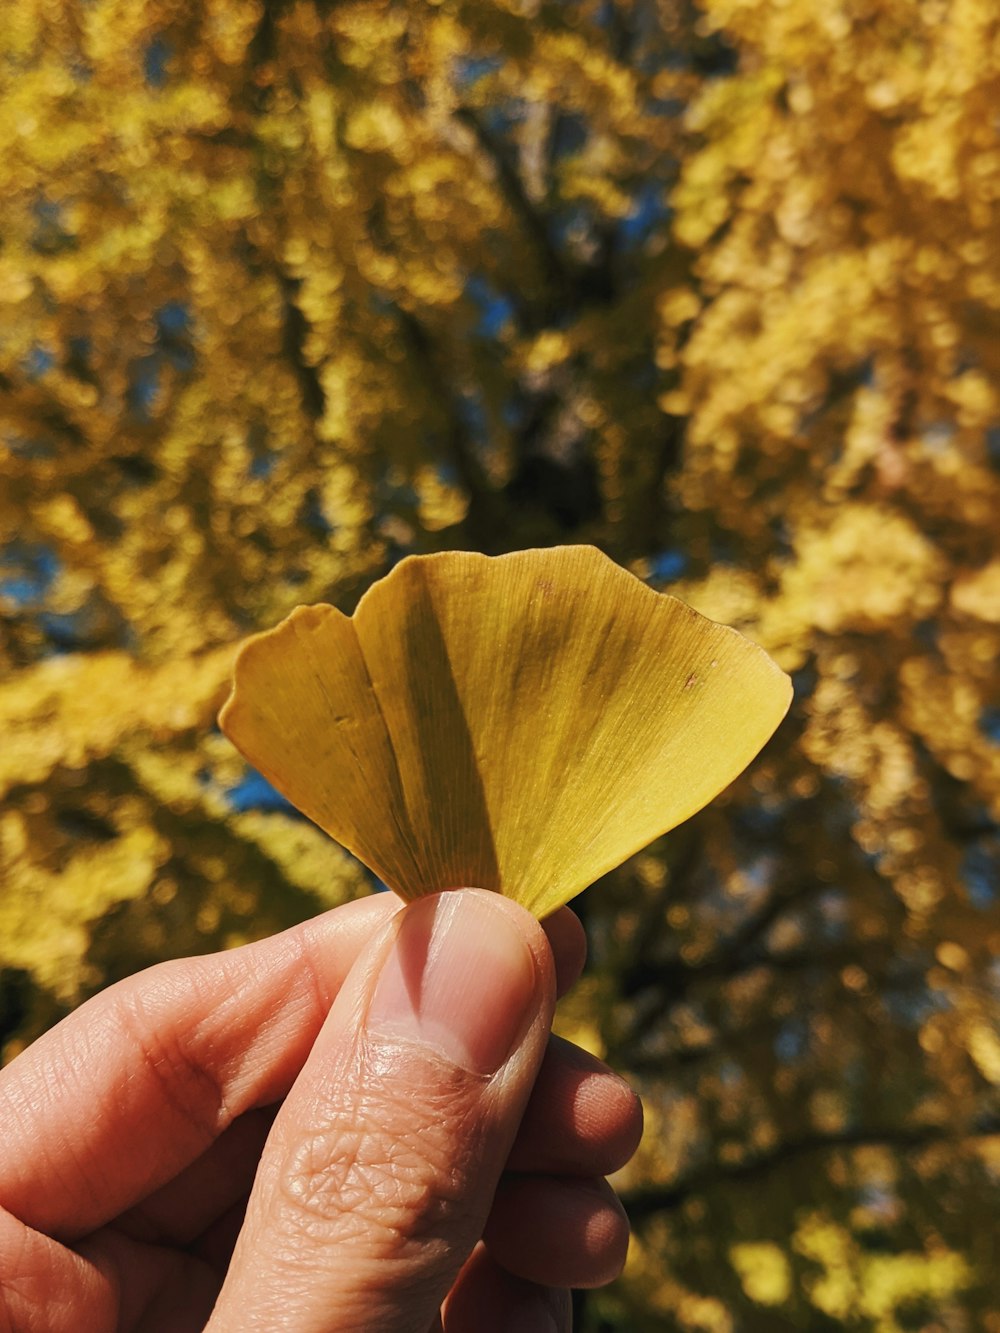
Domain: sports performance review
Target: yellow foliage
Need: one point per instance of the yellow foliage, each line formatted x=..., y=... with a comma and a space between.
x=866, y=571
x=764, y=1271
x=70, y=711
x=291, y=291
x=855, y=1285
x=577, y=1017
x=45, y=915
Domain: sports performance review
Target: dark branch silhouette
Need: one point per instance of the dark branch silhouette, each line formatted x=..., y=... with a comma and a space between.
x=641, y=1204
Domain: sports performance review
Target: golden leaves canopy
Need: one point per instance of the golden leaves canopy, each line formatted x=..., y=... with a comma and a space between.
x=293, y=288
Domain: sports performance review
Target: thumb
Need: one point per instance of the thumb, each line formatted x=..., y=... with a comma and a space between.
x=380, y=1170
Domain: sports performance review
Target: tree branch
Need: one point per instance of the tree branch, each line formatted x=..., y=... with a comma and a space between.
x=677, y=977
x=641, y=1204
x=552, y=264
x=488, y=512
x=295, y=328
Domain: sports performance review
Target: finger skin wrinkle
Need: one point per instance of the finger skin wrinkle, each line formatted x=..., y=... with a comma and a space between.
x=61, y=1158
x=168, y=1055
x=44, y=1287
x=309, y=949
x=391, y=1210
x=16, y=1290
x=309, y=979
x=358, y=1178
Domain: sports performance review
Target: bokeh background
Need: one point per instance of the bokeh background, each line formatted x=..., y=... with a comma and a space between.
x=292, y=288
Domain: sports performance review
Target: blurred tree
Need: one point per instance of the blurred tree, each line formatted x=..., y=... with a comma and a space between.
x=295, y=287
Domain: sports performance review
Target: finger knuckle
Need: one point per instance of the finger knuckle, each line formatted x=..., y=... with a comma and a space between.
x=364, y=1178
x=169, y=1057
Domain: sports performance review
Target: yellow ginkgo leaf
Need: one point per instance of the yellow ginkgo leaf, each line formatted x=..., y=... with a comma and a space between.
x=520, y=723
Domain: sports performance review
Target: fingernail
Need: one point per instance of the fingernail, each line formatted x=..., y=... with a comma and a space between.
x=459, y=976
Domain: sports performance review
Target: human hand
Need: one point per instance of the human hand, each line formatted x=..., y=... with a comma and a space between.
x=418, y=1151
